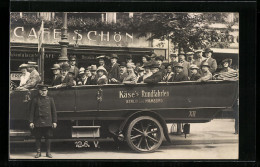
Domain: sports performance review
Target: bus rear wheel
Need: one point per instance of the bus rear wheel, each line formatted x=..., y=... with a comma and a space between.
x=144, y=134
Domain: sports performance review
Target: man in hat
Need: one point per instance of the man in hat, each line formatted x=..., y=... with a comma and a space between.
x=66, y=78
x=34, y=77
x=190, y=57
x=179, y=74
x=102, y=76
x=82, y=78
x=198, y=58
x=101, y=61
x=114, y=73
x=73, y=66
x=153, y=56
x=42, y=119
x=25, y=75
x=195, y=75
x=57, y=76
x=227, y=73
x=131, y=78
x=147, y=72
x=129, y=59
x=184, y=63
x=93, y=78
x=174, y=60
x=159, y=61
x=123, y=72
x=211, y=62
x=156, y=76
x=169, y=74
x=206, y=74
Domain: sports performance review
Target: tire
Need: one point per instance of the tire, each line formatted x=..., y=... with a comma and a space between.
x=144, y=134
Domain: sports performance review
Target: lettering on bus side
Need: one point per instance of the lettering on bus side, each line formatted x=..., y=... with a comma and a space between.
x=192, y=113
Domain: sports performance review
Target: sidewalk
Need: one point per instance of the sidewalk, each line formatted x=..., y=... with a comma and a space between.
x=218, y=131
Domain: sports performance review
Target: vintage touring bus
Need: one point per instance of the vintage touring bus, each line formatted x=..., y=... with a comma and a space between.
x=137, y=114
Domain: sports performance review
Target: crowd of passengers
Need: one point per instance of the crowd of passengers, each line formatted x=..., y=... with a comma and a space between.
x=190, y=66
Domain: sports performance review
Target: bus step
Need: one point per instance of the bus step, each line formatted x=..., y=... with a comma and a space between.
x=85, y=131
x=16, y=132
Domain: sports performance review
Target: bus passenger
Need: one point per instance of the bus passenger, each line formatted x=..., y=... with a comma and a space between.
x=195, y=75
x=198, y=58
x=82, y=78
x=123, y=72
x=102, y=78
x=190, y=57
x=206, y=74
x=131, y=78
x=227, y=73
x=169, y=74
x=93, y=78
x=156, y=76
x=159, y=61
x=101, y=61
x=185, y=64
x=57, y=76
x=140, y=73
x=147, y=72
x=73, y=66
x=66, y=78
x=179, y=74
x=174, y=60
x=25, y=74
x=129, y=59
x=114, y=73
x=145, y=59
x=211, y=62
x=34, y=77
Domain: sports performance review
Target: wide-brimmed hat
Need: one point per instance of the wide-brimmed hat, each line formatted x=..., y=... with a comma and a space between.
x=22, y=66
x=161, y=57
x=198, y=51
x=113, y=56
x=81, y=70
x=32, y=64
x=129, y=57
x=153, y=55
x=227, y=60
x=101, y=68
x=207, y=50
x=122, y=64
x=189, y=53
x=56, y=67
x=101, y=57
x=42, y=87
x=193, y=66
x=173, y=55
x=93, y=68
x=65, y=66
x=181, y=53
x=155, y=65
x=205, y=64
x=179, y=65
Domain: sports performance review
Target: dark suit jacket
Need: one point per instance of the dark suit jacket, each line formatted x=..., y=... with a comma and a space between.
x=114, y=72
x=56, y=81
x=68, y=81
x=94, y=80
x=180, y=77
x=155, y=78
x=195, y=77
x=76, y=72
x=213, y=64
x=43, y=111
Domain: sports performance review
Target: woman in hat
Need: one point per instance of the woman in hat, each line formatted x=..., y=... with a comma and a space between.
x=131, y=78
x=226, y=73
x=206, y=74
x=25, y=74
x=145, y=59
x=57, y=76
x=102, y=78
x=169, y=74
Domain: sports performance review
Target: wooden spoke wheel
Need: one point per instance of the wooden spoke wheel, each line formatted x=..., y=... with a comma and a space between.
x=144, y=134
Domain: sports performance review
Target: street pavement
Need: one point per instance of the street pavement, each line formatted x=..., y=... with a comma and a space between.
x=212, y=140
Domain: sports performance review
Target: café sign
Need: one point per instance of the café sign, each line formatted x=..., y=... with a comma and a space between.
x=80, y=37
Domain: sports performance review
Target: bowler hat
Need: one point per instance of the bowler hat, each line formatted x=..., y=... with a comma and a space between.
x=32, y=64
x=114, y=56
x=55, y=67
x=101, y=57
x=122, y=64
x=193, y=66
x=93, y=68
x=129, y=57
x=161, y=57
x=72, y=58
x=227, y=60
x=179, y=65
x=65, y=67
x=208, y=50
x=205, y=64
x=42, y=87
x=22, y=66
x=82, y=70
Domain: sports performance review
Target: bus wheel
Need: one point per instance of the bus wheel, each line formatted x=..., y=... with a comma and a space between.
x=144, y=134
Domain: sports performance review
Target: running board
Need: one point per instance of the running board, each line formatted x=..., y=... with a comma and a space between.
x=15, y=133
